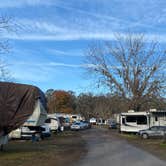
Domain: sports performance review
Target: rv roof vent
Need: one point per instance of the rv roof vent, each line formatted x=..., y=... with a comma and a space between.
x=131, y=111
x=153, y=110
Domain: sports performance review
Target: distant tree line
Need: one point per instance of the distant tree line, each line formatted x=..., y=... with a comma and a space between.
x=90, y=105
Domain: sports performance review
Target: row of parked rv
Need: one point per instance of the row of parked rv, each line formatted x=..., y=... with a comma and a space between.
x=54, y=123
x=23, y=114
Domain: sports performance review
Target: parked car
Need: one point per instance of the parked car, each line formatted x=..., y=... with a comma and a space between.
x=112, y=125
x=87, y=124
x=155, y=131
x=78, y=126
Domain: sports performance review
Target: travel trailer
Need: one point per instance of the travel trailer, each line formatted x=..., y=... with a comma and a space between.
x=76, y=117
x=20, y=105
x=70, y=118
x=135, y=121
x=53, y=123
x=33, y=125
x=93, y=121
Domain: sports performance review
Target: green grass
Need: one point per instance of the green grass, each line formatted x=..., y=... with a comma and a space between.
x=130, y=136
x=163, y=145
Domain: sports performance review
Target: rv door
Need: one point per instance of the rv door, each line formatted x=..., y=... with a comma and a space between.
x=123, y=120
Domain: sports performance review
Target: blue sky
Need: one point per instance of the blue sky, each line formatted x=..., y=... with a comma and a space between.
x=48, y=50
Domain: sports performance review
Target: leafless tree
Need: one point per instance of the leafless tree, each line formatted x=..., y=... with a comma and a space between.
x=5, y=27
x=130, y=66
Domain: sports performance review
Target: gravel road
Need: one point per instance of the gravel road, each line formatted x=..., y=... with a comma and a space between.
x=106, y=150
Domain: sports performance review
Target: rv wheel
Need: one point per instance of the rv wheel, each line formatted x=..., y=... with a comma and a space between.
x=145, y=136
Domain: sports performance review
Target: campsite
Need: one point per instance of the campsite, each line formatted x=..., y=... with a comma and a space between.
x=82, y=83
x=70, y=148
x=29, y=133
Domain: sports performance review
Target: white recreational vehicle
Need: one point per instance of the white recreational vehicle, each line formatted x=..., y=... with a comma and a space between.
x=53, y=122
x=20, y=105
x=32, y=124
x=134, y=121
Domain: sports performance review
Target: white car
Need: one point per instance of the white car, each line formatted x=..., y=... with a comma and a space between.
x=78, y=126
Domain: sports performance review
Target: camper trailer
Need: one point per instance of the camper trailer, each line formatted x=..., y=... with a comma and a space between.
x=76, y=117
x=34, y=125
x=20, y=105
x=53, y=123
x=158, y=117
x=135, y=121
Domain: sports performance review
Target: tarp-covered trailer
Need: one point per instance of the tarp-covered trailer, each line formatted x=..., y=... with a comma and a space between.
x=19, y=103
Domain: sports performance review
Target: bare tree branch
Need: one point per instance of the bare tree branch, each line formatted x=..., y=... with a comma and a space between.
x=129, y=66
x=6, y=26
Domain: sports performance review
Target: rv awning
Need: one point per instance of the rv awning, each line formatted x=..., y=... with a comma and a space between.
x=17, y=103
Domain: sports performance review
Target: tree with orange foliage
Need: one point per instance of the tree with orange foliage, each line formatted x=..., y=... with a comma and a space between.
x=61, y=101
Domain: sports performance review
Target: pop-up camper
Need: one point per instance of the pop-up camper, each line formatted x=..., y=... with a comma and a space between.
x=20, y=105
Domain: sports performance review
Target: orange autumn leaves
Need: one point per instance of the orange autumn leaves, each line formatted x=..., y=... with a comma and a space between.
x=60, y=101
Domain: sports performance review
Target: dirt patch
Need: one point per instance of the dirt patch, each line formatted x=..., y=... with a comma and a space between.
x=154, y=146
x=58, y=150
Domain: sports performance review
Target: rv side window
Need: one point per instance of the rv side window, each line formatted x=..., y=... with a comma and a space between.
x=141, y=120
x=131, y=119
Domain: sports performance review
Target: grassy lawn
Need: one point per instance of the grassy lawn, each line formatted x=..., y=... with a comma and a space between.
x=163, y=145
x=61, y=149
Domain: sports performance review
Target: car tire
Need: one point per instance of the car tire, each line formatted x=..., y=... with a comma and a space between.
x=145, y=136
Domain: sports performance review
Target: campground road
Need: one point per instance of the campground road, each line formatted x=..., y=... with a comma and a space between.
x=106, y=150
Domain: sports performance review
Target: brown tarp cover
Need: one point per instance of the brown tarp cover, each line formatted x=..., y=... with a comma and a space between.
x=17, y=103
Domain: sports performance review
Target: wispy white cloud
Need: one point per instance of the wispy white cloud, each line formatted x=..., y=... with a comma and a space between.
x=74, y=53
x=114, y=19
x=23, y=3
x=82, y=36
x=52, y=65
x=90, y=23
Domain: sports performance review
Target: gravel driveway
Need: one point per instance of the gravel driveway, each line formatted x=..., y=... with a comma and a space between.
x=106, y=150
